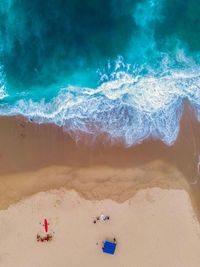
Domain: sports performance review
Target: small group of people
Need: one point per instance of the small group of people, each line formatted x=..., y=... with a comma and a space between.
x=102, y=218
x=46, y=238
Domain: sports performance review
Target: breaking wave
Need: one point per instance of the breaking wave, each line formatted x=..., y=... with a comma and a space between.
x=127, y=108
x=50, y=60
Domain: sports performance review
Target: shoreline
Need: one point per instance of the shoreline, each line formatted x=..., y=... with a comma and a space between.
x=37, y=154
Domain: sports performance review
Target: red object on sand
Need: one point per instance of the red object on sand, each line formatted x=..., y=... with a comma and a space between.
x=45, y=225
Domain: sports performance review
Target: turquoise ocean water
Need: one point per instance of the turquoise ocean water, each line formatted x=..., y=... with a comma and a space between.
x=120, y=67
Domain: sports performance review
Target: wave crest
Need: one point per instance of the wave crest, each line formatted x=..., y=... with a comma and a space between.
x=131, y=109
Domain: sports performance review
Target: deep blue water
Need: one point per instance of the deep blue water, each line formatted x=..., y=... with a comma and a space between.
x=120, y=67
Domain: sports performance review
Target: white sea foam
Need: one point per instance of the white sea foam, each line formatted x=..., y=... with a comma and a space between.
x=129, y=108
x=3, y=92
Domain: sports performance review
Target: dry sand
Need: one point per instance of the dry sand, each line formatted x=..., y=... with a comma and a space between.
x=156, y=227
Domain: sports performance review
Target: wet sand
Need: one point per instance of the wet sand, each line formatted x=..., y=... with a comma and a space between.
x=42, y=157
x=94, y=183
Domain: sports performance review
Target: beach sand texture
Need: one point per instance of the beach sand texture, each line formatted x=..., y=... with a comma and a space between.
x=36, y=155
x=156, y=227
x=151, y=192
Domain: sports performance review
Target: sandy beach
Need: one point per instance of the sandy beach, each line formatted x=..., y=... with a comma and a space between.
x=150, y=191
x=156, y=227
